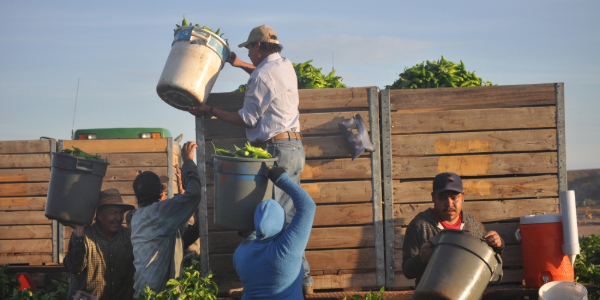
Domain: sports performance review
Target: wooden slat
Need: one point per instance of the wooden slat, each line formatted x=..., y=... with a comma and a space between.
x=22, y=203
x=343, y=214
x=124, y=187
x=25, y=232
x=475, y=165
x=325, y=192
x=118, y=145
x=484, y=211
x=341, y=259
x=505, y=230
x=469, y=120
x=24, y=189
x=314, y=146
x=333, y=169
x=24, y=161
x=30, y=246
x=474, y=142
x=327, y=169
x=23, y=218
x=26, y=259
x=129, y=173
x=341, y=281
x=339, y=192
x=25, y=146
x=136, y=159
x=22, y=175
x=511, y=257
x=320, y=238
x=480, y=97
x=309, y=99
x=310, y=124
x=513, y=276
x=482, y=188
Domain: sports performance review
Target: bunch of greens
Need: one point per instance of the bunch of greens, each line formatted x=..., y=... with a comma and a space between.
x=587, y=264
x=80, y=153
x=9, y=289
x=310, y=77
x=185, y=22
x=247, y=152
x=370, y=295
x=189, y=286
x=436, y=74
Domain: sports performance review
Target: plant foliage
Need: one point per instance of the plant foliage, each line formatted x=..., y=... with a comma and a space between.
x=587, y=264
x=189, y=286
x=437, y=74
x=370, y=295
x=9, y=289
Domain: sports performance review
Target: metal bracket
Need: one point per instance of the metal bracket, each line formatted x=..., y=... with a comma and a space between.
x=170, y=167
x=202, y=209
x=561, y=141
x=376, y=185
x=388, y=190
x=58, y=229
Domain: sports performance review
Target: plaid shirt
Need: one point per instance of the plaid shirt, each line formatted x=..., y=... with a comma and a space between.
x=101, y=267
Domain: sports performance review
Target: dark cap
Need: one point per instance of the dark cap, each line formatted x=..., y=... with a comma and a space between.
x=447, y=181
x=147, y=187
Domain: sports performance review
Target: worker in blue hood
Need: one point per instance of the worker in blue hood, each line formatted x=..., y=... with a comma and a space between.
x=269, y=262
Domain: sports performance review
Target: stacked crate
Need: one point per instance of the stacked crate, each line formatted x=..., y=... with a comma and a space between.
x=506, y=142
x=26, y=235
x=344, y=247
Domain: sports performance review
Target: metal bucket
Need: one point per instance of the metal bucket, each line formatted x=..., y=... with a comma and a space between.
x=563, y=290
x=240, y=185
x=460, y=268
x=74, y=188
x=196, y=58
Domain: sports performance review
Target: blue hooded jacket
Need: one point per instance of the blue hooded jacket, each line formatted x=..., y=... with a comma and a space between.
x=269, y=263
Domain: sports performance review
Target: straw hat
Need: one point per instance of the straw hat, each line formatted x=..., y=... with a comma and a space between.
x=113, y=197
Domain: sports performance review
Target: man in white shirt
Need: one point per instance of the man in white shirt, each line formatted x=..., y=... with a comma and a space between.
x=270, y=112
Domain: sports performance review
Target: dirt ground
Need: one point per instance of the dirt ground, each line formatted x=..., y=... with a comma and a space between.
x=588, y=220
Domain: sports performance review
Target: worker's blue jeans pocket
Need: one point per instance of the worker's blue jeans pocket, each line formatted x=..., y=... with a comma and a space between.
x=290, y=154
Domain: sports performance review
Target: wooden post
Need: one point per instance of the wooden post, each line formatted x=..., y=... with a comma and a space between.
x=561, y=136
x=376, y=186
x=388, y=191
x=60, y=230
x=202, y=210
x=170, y=191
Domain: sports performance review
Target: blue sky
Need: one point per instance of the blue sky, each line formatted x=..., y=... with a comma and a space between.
x=117, y=50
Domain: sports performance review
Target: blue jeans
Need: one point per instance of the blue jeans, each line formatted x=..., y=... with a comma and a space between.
x=291, y=157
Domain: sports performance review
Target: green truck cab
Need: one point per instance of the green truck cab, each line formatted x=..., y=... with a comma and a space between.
x=121, y=133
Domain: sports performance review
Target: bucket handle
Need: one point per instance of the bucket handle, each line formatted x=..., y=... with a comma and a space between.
x=498, y=273
x=83, y=165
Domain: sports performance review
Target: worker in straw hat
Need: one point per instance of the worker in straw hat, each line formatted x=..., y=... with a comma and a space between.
x=100, y=256
x=270, y=113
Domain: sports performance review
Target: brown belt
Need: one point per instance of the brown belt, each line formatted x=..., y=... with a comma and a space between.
x=287, y=135
x=281, y=136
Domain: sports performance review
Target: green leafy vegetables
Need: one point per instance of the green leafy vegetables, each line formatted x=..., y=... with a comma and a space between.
x=80, y=153
x=189, y=286
x=185, y=22
x=9, y=289
x=587, y=264
x=310, y=77
x=247, y=152
x=437, y=74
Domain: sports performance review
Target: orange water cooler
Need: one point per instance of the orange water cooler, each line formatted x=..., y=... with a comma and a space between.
x=543, y=258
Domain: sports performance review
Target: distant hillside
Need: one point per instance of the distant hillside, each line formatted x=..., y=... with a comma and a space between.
x=586, y=184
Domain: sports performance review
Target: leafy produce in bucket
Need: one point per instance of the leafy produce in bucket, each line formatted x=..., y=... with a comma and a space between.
x=248, y=151
x=80, y=153
x=310, y=77
x=185, y=22
x=436, y=74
